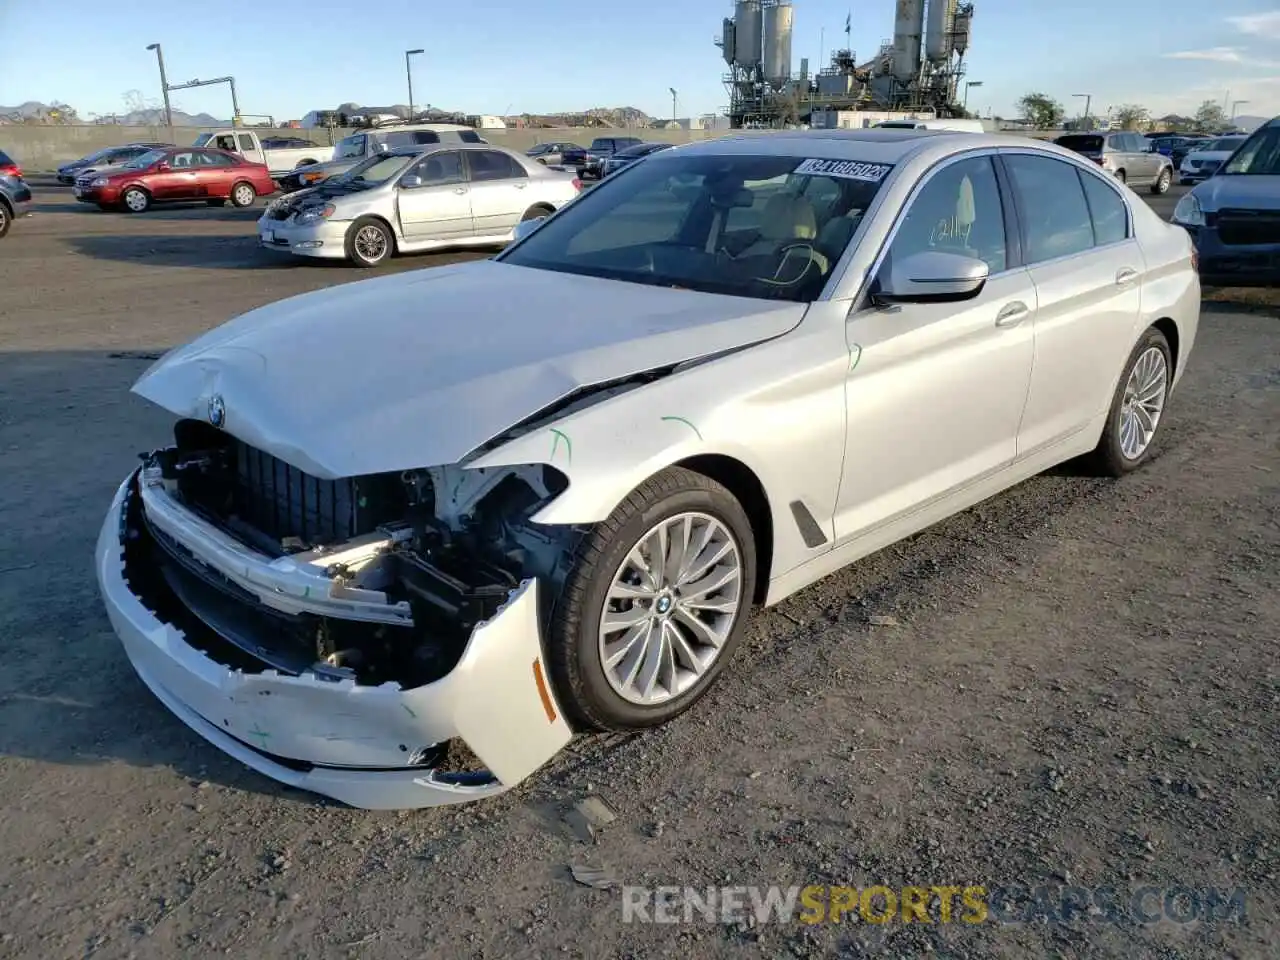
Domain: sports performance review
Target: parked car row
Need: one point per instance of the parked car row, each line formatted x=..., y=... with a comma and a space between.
x=1234, y=215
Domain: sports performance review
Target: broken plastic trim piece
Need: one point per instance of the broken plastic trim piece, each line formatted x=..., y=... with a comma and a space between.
x=298, y=583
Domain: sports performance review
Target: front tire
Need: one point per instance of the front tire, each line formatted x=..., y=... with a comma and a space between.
x=369, y=242
x=136, y=200
x=1163, y=182
x=655, y=604
x=243, y=194
x=1137, y=408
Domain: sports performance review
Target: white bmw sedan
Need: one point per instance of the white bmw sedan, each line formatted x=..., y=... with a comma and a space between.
x=415, y=199
x=539, y=494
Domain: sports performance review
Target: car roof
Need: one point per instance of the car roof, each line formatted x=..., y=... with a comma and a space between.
x=392, y=127
x=873, y=144
x=421, y=149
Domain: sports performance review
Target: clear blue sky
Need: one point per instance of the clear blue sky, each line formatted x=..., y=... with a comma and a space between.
x=503, y=55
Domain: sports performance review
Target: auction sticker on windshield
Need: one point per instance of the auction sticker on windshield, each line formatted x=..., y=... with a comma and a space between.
x=849, y=169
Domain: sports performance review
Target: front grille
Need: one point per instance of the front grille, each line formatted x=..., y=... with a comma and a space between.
x=1248, y=227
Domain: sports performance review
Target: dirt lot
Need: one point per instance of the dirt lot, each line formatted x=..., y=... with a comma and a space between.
x=1076, y=684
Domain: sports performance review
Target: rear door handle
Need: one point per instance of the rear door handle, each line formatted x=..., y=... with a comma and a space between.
x=1126, y=276
x=1012, y=314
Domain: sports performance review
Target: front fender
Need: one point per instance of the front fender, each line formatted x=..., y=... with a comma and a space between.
x=778, y=408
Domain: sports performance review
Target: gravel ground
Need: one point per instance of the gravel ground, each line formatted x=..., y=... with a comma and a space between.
x=1076, y=683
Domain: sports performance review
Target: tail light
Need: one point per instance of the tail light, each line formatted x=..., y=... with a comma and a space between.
x=577, y=184
x=10, y=170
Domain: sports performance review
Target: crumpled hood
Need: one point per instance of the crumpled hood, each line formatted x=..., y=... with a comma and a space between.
x=420, y=368
x=1252, y=192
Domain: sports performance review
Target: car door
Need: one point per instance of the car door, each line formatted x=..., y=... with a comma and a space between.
x=249, y=148
x=499, y=194
x=936, y=390
x=434, y=200
x=1078, y=243
x=178, y=180
x=216, y=172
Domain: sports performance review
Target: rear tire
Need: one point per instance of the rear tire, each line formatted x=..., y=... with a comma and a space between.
x=1163, y=182
x=536, y=211
x=6, y=218
x=1137, y=408
x=136, y=200
x=243, y=194
x=1121, y=177
x=605, y=577
x=369, y=242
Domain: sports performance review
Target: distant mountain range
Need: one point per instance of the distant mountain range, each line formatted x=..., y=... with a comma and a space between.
x=35, y=112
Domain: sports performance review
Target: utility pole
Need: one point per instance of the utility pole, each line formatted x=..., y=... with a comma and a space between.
x=1088, y=102
x=1235, y=107
x=673, y=102
x=968, y=84
x=408, y=73
x=164, y=88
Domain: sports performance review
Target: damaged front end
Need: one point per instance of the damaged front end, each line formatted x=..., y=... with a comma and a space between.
x=359, y=630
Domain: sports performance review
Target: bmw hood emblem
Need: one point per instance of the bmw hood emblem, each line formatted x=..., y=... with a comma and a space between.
x=217, y=410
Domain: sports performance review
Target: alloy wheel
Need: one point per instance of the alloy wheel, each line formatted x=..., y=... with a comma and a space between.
x=1143, y=404
x=371, y=244
x=670, y=608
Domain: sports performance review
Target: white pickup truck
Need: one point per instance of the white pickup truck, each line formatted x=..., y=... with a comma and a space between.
x=246, y=144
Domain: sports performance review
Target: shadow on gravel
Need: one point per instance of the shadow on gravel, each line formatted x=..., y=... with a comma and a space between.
x=175, y=250
x=69, y=434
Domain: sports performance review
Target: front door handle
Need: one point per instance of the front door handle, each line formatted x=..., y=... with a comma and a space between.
x=1012, y=314
x=519, y=186
x=1126, y=276
x=460, y=190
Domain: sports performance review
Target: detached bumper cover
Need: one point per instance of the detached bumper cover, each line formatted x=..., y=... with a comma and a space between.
x=350, y=742
x=1224, y=264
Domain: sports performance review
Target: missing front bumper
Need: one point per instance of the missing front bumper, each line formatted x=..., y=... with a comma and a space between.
x=338, y=738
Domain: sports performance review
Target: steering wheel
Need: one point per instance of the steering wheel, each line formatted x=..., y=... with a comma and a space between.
x=784, y=252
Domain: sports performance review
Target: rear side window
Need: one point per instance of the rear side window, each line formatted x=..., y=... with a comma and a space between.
x=1056, y=220
x=1110, y=215
x=1087, y=143
x=491, y=165
x=246, y=142
x=470, y=136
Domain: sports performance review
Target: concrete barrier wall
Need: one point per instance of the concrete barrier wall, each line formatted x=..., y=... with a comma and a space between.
x=44, y=148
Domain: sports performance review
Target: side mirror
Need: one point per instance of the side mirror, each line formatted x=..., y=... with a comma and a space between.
x=932, y=277
x=525, y=227
x=410, y=182
x=163, y=167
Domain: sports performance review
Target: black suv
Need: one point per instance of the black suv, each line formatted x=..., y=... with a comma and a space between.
x=601, y=148
x=15, y=195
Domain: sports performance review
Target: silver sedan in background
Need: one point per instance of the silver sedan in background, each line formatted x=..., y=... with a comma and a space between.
x=415, y=199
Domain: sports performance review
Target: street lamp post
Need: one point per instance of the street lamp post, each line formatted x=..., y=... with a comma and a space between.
x=409, y=76
x=1235, y=107
x=164, y=88
x=673, y=102
x=968, y=85
x=1088, y=102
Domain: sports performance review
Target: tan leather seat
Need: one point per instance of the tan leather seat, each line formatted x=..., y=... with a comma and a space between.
x=786, y=218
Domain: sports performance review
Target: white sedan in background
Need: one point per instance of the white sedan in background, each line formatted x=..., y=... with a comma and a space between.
x=416, y=199
x=501, y=502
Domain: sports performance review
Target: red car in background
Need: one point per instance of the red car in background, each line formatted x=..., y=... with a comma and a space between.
x=173, y=174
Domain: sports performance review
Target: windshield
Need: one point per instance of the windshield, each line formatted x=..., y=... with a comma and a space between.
x=98, y=155
x=201, y=140
x=1260, y=155
x=1222, y=144
x=349, y=147
x=146, y=160
x=374, y=171
x=749, y=226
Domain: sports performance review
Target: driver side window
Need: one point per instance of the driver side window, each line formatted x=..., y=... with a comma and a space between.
x=439, y=169
x=958, y=211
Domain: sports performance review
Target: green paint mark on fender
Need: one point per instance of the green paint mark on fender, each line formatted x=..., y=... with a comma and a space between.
x=855, y=354
x=687, y=423
x=555, y=445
